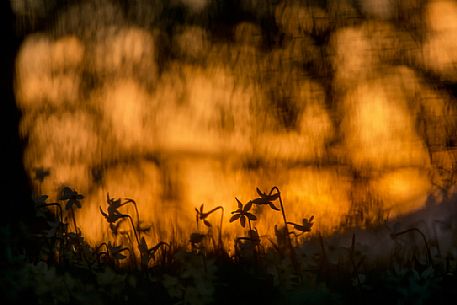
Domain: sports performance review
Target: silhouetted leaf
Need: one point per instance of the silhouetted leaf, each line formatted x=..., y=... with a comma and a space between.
x=159, y=244
x=143, y=247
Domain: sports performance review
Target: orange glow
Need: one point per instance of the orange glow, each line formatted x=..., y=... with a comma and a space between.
x=219, y=118
x=439, y=51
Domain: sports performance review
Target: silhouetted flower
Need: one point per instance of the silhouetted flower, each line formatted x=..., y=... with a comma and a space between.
x=41, y=173
x=242, y=212
x=305, y=226
x=266, y=199
x=40, y=200
x=72, y=197
x=203, y=216
x=113, y=214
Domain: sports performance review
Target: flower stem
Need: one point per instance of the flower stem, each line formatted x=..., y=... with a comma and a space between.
x=128, y=200
x=222, y=218
x=133, y=227
x=53, y=204
x=289, y=242
x=429, y=254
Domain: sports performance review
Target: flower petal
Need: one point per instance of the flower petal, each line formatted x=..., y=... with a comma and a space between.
x=242, y=221
x=259, y=201
x=234, y=217
x=273, y=206
x=103, y=213
x=240, y=205
x=251, y=216
x=66, y=193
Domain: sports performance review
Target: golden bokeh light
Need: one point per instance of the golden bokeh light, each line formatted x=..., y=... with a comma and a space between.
x=178, y=119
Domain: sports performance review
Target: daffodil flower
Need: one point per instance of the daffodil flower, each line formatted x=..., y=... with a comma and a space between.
x=306, y=225
x=72, y=197
x=242, y=213
x=113, y=214
x=266, y=199
x=203, y=216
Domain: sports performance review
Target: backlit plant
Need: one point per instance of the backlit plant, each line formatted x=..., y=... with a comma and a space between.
x=203, y=216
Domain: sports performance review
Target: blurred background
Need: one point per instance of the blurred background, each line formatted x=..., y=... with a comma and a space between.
x=348, y=106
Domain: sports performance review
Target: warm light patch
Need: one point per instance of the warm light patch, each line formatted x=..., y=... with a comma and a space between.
x=380, y=131
x=322, y=193
x=439, y=51
x=402, y=190
x=126, y=111
x=48, y=72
